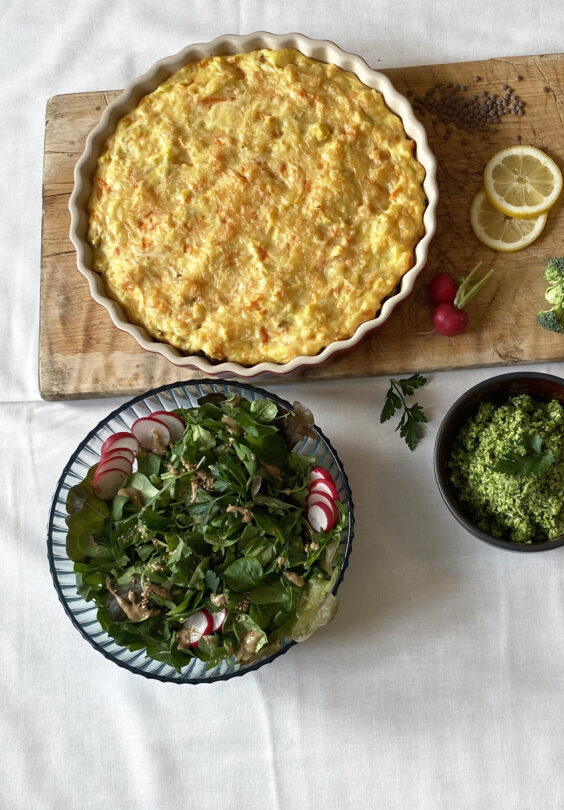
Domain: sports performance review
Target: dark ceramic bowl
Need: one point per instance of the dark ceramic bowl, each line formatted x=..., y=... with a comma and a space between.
x=497, y=390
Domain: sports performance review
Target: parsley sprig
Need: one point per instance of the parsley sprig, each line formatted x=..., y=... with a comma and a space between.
x=410, y=424
x=526, y=460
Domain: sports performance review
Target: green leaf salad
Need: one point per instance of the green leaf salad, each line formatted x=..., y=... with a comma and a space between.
x=216, y=522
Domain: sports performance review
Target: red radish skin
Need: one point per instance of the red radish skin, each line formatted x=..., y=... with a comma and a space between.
x=120, y=452
x=320, y=517
x=320, y=474
x=320, y=497
x=442, y=288
x=327, y=487
x=121, y=440
x=216, y=619
x=107, y=484
x=151, y=434
x=174, y=423
x=200, y=624
x=449, y=320
x=113, y=463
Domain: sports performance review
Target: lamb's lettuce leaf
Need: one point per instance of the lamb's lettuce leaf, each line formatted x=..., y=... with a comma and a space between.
x=221, y=516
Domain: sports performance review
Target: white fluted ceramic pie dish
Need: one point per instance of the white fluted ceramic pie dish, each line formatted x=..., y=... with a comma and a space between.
x=321, y=50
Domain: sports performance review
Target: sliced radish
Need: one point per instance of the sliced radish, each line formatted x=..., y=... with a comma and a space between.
x=121, y=440
x=320, y=517
x=174, y=423
x=114, y=463
x=320, y=497
x=152, y=434
x=327, y=487
x=119, y=452
x=320, y=474
x=216, y=618
x=106, y=485
x=198, y=624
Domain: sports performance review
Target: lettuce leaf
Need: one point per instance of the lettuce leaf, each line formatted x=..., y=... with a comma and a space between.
x=86, y=518
x=317, y=606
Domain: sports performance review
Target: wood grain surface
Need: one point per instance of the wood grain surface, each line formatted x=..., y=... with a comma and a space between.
x=82, y=354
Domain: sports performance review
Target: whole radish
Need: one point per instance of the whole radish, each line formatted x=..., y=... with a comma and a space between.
x=449, y=320
x=449, y=316
x=442, y=288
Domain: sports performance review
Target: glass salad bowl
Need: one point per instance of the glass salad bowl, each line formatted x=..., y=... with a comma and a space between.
x=85, y=614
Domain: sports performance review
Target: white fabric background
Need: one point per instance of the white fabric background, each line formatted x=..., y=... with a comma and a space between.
x=440, y=683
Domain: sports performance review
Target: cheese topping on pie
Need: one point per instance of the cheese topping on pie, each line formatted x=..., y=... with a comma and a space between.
x=256, y=207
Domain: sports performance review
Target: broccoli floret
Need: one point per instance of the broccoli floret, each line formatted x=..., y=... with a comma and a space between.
x=555, y=265
x=554, y=275
x=553, y=319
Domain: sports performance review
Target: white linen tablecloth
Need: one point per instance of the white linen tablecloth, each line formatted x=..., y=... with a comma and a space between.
x=440, y=684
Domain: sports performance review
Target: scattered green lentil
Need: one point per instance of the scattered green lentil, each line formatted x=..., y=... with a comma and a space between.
x=446, y=102
x=527, y=509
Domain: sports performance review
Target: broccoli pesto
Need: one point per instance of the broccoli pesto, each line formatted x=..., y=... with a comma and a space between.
x=507, y=469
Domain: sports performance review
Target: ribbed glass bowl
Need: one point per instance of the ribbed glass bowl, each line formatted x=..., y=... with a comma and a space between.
x=84, y=614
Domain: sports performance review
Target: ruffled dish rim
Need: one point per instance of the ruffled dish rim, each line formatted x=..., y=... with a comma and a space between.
x=324, y=51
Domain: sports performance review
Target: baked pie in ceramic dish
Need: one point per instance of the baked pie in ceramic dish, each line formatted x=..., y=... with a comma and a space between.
x=254, y=205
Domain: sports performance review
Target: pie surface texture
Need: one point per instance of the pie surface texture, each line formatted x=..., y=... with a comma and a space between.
x=256, y=207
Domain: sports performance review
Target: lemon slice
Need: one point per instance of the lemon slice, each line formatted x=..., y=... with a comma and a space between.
x=521, y=181
x=500, y=232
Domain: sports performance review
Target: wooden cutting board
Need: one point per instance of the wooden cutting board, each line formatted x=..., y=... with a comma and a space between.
x=82, y=354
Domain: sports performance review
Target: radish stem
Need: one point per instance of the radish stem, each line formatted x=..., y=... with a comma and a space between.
x=464, y=295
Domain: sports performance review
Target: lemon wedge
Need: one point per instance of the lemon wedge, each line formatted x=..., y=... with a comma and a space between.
x=499, y=231
x=522, y=181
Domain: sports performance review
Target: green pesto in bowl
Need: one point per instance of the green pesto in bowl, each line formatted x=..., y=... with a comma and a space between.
x=506, y=469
